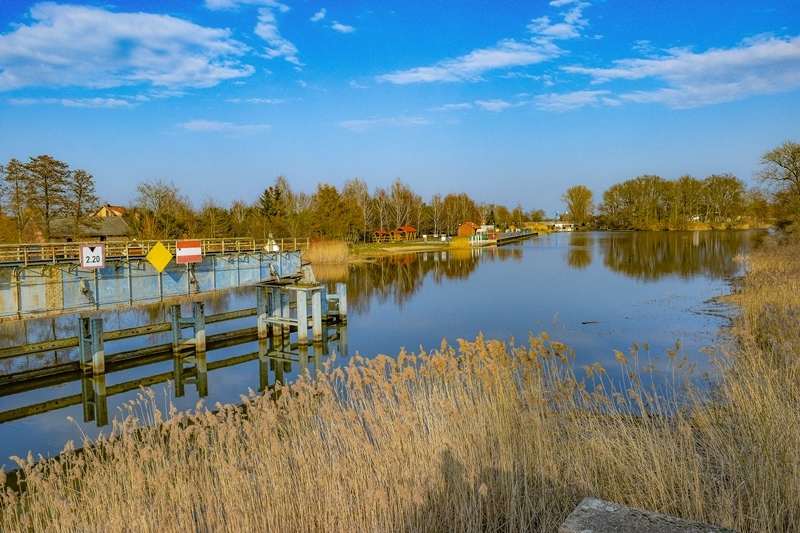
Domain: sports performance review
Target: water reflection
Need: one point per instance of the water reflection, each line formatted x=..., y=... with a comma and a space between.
x=399, y=277
x=650, y=255
x=579, y=255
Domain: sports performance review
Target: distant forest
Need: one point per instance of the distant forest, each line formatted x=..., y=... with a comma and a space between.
x=44, y=200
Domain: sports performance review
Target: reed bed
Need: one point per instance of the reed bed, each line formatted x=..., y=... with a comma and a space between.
x=327, y=252
x=482, y=436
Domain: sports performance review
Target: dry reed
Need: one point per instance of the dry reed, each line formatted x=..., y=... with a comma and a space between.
x=490, y=436
x=327, y=252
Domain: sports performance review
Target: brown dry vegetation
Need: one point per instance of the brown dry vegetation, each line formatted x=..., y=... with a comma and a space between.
x=490, y=436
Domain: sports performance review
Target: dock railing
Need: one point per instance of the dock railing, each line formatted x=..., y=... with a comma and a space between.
x=65, y=252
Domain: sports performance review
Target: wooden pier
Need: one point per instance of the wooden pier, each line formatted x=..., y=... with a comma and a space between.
x=276, y=350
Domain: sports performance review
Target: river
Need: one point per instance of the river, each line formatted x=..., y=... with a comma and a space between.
x=596, y=292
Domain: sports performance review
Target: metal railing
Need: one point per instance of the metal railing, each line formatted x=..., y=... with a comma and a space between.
x=69, y=252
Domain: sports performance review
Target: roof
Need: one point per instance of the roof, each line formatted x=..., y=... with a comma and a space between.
x=93, y=227
x=113, y=210
x=381, y=232
x=407, y=229
x=470, y=224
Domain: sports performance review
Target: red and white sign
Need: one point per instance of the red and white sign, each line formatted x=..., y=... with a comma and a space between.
x=188, y=251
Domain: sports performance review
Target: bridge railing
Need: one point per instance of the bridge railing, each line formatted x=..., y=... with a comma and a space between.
x=66, y=252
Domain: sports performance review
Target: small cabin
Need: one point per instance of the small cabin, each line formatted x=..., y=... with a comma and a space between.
x=468, y=229
x=380, y=235
x=404, y=233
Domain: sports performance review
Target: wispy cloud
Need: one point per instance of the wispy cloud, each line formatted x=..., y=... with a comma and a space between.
x=256, y=100
x=267, y=29
x=758, y=66
x=573, y=100
x=319, y=15
x=342, y=28
x=506, y=54
x=451, y=107
x=369, y=124
x=83, y=46
x=492, y=105
x=73, y=102
x=570, y=28
x=225, y=127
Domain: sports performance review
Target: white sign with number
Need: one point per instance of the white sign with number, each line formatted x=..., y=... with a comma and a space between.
x=93, y=256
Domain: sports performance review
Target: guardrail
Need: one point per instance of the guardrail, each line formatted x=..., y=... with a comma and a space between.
x=65, y=252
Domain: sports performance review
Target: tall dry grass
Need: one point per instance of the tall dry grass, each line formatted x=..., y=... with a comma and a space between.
x=486, y=437
x=327, y=252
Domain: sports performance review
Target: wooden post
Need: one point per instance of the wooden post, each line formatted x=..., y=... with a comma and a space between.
x=262, y=306
x=91, y=345
x=302, y=318
x=316, y=316
x=198, y=324
x=341, y=292
x=199, y=315
x=177, y=334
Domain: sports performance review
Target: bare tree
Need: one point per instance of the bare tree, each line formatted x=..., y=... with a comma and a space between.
x=782, y=167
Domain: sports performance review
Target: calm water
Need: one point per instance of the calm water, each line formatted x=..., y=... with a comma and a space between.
x=595, y=292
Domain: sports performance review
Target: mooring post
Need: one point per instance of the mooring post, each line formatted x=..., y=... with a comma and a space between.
x=198, y=324
x=341, y=292
x=177, y=334
x=262, y=308
x=316, y=315
x=91, y=345
x=276, y=310
x=199, y=315
x=302, y=317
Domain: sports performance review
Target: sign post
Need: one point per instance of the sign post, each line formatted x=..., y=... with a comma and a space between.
x=93, y=256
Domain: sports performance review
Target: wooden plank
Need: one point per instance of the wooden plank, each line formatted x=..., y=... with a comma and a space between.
x=39, y=347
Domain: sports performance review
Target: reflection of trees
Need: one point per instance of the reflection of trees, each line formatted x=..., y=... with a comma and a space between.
x=651, y=255
x=399, y=277
x=579, y=255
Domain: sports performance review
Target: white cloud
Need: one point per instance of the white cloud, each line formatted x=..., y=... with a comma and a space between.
x=72, y=102
x=69, y=45
x=450, y=107
x=319, y=15
x=759, y=66
x=256, y=100
x=573, y=100
x=364, y=125
x=492, y=105
x=569, y=29
x=342, y=28
x=267, y=29
x=507, y=54
x=225, y=127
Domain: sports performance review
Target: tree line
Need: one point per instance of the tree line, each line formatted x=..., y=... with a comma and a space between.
x=45, y=190
x=650, y=202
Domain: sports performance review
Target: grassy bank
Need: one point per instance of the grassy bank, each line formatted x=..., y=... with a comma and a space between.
x=482, y=436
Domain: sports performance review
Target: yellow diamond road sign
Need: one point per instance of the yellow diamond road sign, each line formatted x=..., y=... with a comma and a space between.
x=159, y=256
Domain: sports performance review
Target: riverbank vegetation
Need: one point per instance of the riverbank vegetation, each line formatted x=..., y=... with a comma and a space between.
x=476, y=436
x=44, y=200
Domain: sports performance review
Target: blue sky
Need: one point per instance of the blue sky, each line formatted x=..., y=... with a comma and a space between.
x=507, y=101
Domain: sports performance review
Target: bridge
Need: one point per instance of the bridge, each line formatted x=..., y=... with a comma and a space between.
x=42, y=279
